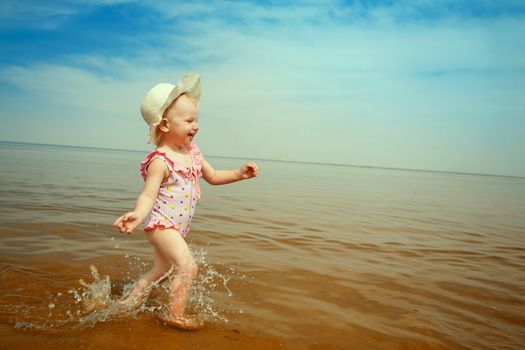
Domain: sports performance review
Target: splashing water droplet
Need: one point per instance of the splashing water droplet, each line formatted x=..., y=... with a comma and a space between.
x=98, y=293
x=92, y=301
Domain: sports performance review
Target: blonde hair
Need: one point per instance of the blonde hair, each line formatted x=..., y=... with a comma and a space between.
x=157, y=133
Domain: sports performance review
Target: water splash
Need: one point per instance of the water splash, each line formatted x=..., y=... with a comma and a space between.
x=96, y=298
x=205, y=285
x=99, y=305
x=97, y=295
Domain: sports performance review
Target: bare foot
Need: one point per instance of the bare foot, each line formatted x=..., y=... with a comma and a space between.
x=131, y=302
x=184, y=323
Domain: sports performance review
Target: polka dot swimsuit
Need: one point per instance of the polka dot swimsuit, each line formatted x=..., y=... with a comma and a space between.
x=178, y=195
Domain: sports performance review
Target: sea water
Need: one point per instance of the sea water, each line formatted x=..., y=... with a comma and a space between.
x=305, y=256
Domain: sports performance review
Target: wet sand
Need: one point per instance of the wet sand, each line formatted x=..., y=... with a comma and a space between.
x=304, y=257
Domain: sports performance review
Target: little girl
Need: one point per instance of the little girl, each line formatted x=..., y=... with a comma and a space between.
x=171, y=190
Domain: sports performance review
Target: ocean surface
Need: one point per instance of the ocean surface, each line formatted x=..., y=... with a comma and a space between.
x=305, y=256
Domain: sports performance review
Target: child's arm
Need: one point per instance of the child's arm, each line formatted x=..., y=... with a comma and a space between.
x=157, y=171
x=222, y=177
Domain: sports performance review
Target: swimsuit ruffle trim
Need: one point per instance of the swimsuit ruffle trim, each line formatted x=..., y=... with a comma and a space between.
x=164, y=224
x=191, y=172
x=197, y=158
x=159, y=223
x=150, y=157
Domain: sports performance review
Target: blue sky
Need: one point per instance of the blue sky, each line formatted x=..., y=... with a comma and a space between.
x=436, y=85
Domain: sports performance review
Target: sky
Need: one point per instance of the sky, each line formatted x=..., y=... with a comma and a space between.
x=434, y=85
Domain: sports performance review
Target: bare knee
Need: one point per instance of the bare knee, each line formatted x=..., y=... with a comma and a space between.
x=193, y=269
x=188, y=268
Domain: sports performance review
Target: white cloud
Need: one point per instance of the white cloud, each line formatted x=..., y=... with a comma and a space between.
x=70, y=87
x=45, y=15
x=313, y=82
x=14, y=14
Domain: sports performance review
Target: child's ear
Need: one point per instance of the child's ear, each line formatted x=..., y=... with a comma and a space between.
x=164, y=126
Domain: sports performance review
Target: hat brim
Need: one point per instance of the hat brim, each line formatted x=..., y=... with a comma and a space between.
x=188, y=84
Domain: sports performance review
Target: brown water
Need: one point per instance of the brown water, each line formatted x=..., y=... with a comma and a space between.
x=303, y=257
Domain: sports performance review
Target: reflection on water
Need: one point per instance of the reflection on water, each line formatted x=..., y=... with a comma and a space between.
x=303, y=257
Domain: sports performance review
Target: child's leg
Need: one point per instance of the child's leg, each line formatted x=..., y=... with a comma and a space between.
x=173, y=247
x=160, y=267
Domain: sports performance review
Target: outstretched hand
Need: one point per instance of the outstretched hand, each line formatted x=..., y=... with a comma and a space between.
x=128, y=222
x=248, y=170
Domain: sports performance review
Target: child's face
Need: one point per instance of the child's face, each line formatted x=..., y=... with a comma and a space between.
x=182, y=121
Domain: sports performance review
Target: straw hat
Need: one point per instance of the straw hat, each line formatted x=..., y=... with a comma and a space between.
x=162, y=95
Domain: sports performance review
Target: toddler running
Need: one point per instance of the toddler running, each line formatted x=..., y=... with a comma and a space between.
x=171, y=190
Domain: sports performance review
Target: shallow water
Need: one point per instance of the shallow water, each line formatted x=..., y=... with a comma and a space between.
x=303, y=257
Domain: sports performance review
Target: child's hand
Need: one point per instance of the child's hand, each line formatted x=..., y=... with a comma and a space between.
x=128, y=222
x=248, y=170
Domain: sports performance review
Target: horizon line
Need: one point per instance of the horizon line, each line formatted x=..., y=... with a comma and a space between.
x=283, y=161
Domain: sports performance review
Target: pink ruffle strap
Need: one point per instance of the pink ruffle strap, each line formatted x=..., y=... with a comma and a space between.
x=196, y=156
x=150, y=157
x=196, y=169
